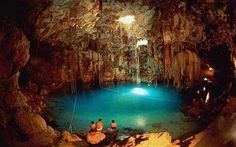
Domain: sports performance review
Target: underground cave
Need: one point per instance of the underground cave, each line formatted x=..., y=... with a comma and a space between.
x=118, y=73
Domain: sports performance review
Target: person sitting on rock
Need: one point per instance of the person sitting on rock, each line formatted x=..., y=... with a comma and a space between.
x=112, y=126
x=112, y=131
x=99, y=125
x=92, y=127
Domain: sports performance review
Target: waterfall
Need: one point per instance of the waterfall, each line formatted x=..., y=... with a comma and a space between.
x=137, y=65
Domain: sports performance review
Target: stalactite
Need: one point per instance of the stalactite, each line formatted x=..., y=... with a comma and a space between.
x=167, y=61
x=186, y=67
x=167, y=31
x=100, y=5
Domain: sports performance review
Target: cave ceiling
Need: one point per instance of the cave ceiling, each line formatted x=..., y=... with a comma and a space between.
x=72, y=22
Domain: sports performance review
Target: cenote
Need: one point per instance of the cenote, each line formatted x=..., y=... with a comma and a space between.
x=136, y=108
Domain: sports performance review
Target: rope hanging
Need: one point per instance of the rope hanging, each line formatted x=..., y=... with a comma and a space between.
x=73, y=91
x=73, y=88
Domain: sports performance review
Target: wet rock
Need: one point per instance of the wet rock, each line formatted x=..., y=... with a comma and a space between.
x=30, y=123
x=122, y=137
x=67, y=136
x=131, y=142
x=177, y=141
x=95, y=137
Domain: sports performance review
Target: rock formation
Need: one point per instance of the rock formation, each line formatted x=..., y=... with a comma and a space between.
x=14, y=55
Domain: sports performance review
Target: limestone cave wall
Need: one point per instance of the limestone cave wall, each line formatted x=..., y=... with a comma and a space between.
x=18, y=122
x=80, y=40
x=104, y=49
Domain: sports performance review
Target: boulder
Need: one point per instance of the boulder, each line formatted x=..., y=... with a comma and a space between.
x=67, y=136
x=95, y=137
x=44, y=138
x=30, y=123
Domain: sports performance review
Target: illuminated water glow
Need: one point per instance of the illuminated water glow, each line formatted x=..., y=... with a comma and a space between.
x=139, y=91
x=141, y=121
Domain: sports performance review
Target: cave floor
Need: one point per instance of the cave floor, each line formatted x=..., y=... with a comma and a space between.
x=222, y=131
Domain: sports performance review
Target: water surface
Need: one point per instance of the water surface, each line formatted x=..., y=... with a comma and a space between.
x=142, y=107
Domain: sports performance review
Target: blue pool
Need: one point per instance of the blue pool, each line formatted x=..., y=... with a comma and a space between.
x=141, y=107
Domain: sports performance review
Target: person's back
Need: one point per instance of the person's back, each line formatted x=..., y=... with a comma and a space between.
x=112, y=131
x=92, y=127
x=113, y=126
x=99, y=125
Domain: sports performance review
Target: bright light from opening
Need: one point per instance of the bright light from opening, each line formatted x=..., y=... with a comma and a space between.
x=127, y=19
x=142, y=42
x=139, y=91
x=205, y=79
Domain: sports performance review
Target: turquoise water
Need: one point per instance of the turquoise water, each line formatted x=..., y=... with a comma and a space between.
x=143, y=107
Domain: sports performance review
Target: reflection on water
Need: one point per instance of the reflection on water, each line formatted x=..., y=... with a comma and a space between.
x=139, y=107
